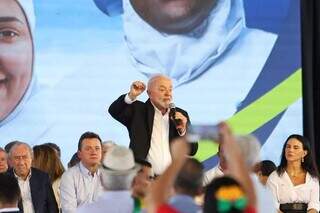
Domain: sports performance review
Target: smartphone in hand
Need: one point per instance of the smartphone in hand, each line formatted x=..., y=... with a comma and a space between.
x=203, y=132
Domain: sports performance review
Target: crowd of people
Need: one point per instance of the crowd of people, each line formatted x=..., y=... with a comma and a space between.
x=157, y=172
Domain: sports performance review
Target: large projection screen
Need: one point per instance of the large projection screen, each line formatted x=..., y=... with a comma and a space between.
x=242, y=65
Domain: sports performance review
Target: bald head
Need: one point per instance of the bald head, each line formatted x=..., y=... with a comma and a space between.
x=154, y=80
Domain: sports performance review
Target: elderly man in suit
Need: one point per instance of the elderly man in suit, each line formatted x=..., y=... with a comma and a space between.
x=151, y=125
x=36, y=191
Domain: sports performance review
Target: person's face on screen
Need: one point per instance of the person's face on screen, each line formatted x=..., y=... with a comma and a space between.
x=15, y=56
x=160, y=92
x=90, y=152
x=173, y=16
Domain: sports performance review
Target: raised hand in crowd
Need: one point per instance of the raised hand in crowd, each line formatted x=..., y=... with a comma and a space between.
x=161, y=188
x=236, y=166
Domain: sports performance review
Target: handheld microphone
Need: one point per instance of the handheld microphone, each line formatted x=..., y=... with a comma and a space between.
x=172, y=115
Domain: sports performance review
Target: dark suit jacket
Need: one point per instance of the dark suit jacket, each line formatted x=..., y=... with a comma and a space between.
x=42, y=195
x=138, y=118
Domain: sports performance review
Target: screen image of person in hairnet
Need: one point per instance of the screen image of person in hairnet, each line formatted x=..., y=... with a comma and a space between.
x=225, y=58
x=20, y=106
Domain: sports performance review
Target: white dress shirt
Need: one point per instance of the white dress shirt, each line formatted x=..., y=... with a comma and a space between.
x=110, y=201
x=159, y=153
x=211, y=174
x=24, y=186
x=78, y=187
x=285, y=192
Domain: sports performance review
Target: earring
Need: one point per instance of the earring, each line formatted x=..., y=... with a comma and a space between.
x=302, y=159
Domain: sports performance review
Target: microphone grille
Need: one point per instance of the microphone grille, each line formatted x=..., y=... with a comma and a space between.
x=172, y=106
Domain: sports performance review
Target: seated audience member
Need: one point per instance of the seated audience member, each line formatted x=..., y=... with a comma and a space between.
x=142, y=181
x=216, y=171
x=250, y=150
x=106, y=147
x=146, y=168
x=263, y=169
x=9, y=194
x=187, y=186
x=3, y=161
x=46, y=159
x=81, y=183
x=225, y=195
x=117, y=173
x=36, y=191
x=236, y=168
x=295, y=183
x=9, y=145
x=55, y=147
x=74, y=160
x=7, y=148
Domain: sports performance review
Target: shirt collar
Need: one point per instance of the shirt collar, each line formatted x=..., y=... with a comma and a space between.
x=86, y=171
x=20, y=178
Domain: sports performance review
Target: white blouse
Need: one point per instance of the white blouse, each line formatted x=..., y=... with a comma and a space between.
x=285, y=192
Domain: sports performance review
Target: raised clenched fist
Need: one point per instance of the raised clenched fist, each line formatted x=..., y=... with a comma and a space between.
x=137, y=87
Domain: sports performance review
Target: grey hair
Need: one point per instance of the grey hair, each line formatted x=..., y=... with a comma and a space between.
x=116, y=182
x=250, y=149
x=108, y=143
x=19, y=143
x=155, y=77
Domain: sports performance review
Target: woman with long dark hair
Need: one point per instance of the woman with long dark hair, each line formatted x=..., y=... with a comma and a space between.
x=295, y=183
x=46, y=159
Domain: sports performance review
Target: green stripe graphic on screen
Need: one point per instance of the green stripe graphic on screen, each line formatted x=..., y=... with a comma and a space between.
x=264, y=109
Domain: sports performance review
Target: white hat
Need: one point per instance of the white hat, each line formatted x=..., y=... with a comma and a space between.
x=119, y=161
x=27, y=6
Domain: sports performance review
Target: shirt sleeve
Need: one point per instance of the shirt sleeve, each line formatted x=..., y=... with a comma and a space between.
x=68, y=193
x=128, y=100
x=165, y=208
x=272, y=185
x=314, y=196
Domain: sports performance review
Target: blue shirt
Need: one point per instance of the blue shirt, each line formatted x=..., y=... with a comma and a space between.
x=184, y=203
x=78, y=187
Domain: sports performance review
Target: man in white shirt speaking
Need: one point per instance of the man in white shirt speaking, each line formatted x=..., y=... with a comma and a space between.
x=151, y=124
